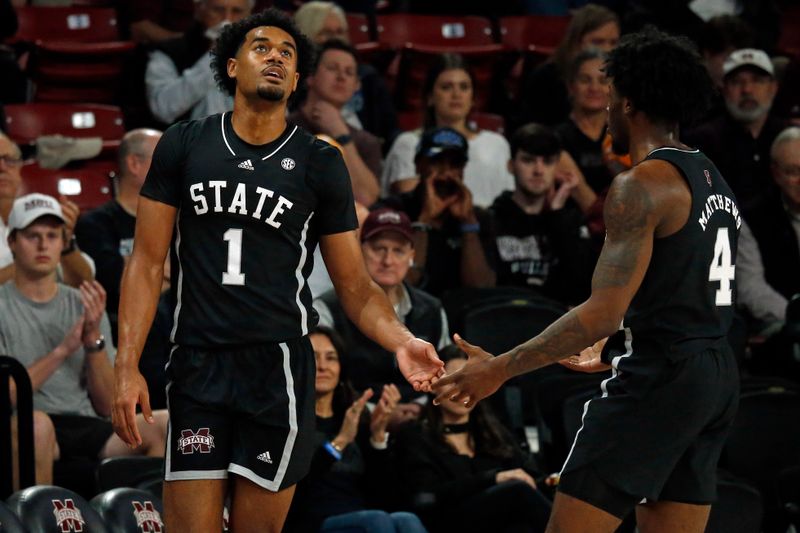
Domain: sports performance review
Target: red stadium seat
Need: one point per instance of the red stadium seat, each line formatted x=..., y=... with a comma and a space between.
x=533, y=32
x=359, y=28
x=397, y=30
x=789, y=41
x=73, y=24
x=88, y=184
x=26, y=122
x=534, y=38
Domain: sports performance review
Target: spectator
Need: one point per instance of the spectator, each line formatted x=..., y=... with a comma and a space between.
x=351, y=471
x=769, y=274
x=330, y=86
x=739, y=141
x=465, y=462
x=544, y=93
x=449, y=96
x=371, y=108
x=157, y=21
x=541, y=240
x=721, y=36
x=74, y=267
x=62, y=336
x=453, y=240
x=387, y=243
x=106, y=233
x=179, y=80
x=584, y=132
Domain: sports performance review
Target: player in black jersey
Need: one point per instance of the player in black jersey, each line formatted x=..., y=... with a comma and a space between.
x=248, y=198
x=651, y=439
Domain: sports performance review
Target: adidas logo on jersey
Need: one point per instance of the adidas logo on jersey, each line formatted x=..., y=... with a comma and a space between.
x=264, y=457
x=246, y=164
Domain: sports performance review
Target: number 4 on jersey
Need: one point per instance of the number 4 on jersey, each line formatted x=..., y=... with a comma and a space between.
x=722, y=269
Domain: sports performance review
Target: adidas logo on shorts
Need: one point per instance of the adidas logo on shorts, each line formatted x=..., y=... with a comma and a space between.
x=264, y=457
x=246, y=164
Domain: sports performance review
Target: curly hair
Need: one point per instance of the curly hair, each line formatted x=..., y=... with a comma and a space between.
x=662, y=75
x=232, y=38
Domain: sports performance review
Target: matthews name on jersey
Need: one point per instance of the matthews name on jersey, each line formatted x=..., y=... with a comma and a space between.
x=685, y=302
x=249, y=218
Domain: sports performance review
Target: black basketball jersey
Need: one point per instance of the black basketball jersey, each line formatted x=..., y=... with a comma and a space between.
x=249, y=219
x=686, y=300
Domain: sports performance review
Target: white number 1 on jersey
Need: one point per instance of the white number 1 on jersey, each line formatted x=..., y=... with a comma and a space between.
x=721, y=268
x=233, y=275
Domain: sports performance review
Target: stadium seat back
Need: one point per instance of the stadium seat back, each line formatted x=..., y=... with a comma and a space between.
x=26, y=122
x=127, y=510
x=10, y=522
x=72, y=24
x=50, y=509
x=398, y=30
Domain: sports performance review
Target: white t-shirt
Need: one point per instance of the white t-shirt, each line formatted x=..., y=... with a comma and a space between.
x=5, y=252
x=486, y=174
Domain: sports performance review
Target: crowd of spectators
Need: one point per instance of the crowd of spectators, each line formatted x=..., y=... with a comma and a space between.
x=446, y=207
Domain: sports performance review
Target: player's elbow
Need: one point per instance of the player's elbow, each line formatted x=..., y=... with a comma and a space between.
x=603, y=320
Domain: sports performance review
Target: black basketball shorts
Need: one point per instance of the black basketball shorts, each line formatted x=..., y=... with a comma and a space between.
x=655, y=433
x=246, y=410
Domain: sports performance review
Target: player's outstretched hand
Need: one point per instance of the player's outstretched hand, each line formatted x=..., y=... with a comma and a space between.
x=130, y=388
x=419, y=363
x=588, y=360
x=480, y=377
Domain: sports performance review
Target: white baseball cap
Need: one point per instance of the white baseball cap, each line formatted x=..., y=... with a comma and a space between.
x=748, y=57
x=32, y=206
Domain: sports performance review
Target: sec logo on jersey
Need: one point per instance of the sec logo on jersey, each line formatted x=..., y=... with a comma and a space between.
x=287, y=163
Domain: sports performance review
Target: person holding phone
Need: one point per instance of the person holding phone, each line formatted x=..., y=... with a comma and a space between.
x=453, y=239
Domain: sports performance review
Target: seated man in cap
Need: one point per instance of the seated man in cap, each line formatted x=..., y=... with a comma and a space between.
x=387, y=242
x=62, y=336
x=453, y=240
x=74, y=267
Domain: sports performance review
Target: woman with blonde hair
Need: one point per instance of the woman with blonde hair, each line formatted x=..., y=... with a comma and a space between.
x=371, y=107
x=544, y=95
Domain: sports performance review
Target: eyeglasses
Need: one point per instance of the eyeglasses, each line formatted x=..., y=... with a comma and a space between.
x=789, y=171
x=11, y=161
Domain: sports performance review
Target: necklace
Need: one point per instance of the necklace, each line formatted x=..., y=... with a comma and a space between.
x=456, y=428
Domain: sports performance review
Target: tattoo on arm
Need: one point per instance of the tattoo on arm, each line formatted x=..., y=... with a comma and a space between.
x=565, y=336
x=629, y=230
x=627, y=214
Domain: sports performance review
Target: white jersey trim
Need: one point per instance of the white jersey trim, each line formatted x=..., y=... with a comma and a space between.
x=224, y=137
x=281, y=146
x=301, y=281
x=695, y=151
x=177, y=313
x=603, y=387
x=275, y=484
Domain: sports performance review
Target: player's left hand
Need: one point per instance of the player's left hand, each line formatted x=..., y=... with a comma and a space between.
x=588, y=360
x=419, y=364
x=480, y=377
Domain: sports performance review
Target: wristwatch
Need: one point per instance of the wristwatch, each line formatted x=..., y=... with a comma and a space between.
x=343, y=139
x=96, y=346
x=69, y=248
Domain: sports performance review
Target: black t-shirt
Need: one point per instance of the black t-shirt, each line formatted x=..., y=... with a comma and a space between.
x=686, y=300
x=106, y=234
x=249, y=219
x=587, y=153
x=550, y=252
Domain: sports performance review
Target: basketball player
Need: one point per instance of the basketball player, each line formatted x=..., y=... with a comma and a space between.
x=249, y=197
x=654, y=434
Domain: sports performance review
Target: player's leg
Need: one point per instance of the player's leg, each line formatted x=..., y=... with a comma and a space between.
x=255, y=509
x=194, y=506
x=672, y=517
x=572, y=515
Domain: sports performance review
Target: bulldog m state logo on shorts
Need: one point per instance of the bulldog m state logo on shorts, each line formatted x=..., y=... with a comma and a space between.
x=190, y=442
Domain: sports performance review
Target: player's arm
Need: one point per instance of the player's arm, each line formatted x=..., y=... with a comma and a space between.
x=140, y=290
x=367, y=306
x=631, y=215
